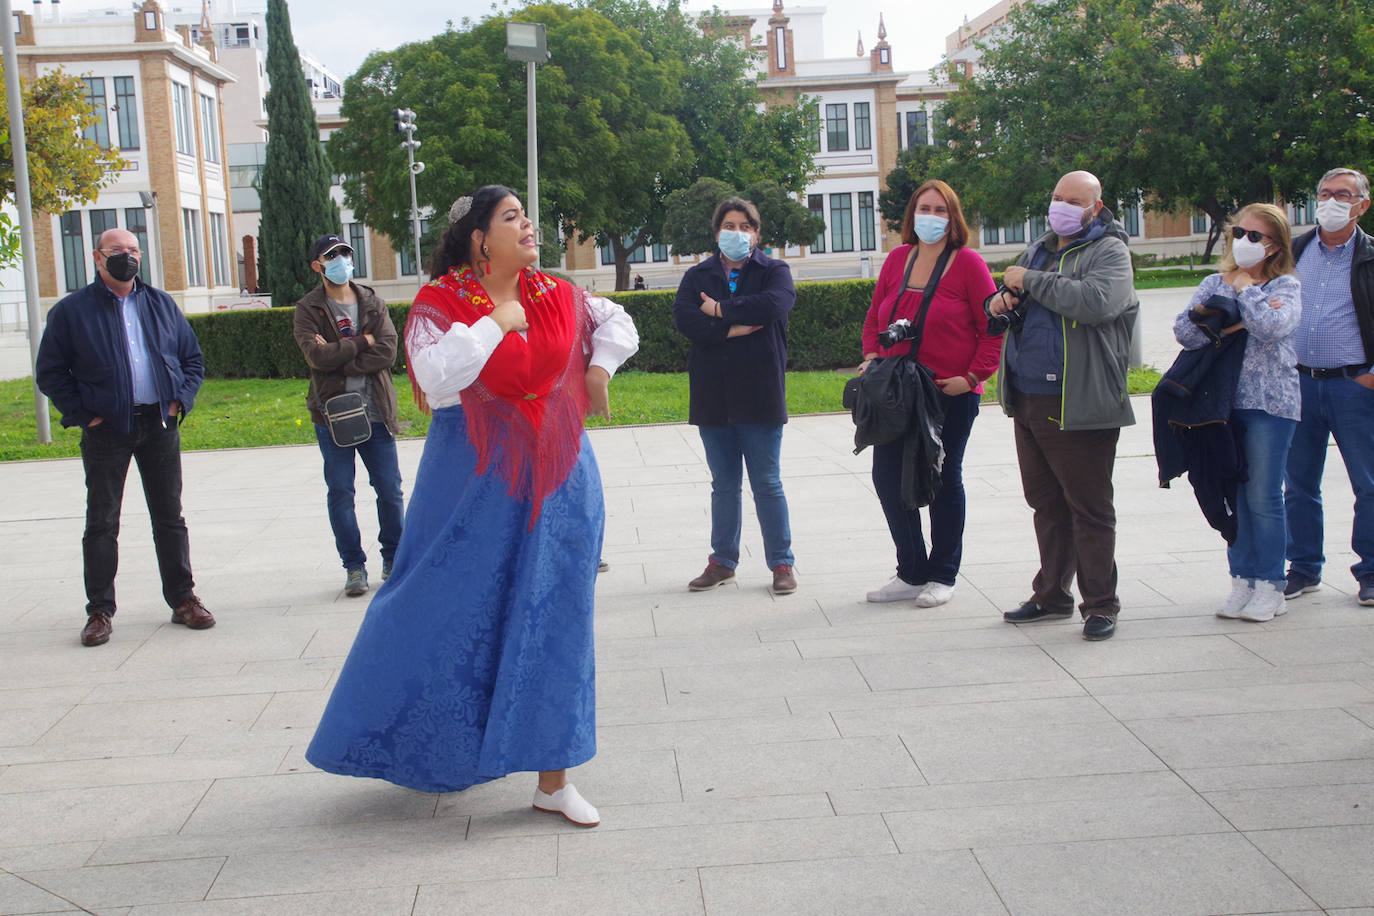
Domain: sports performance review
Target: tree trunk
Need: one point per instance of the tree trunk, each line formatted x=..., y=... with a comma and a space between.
x=1212, y=207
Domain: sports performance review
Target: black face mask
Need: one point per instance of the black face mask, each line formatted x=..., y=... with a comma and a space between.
x=123, y=266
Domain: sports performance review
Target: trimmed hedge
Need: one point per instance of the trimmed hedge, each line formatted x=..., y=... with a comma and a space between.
x=824, y=332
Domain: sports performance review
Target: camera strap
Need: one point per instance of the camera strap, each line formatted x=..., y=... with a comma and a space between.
x=927, y=295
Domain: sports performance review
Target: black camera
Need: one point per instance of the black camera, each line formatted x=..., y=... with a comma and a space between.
x=1007, y=321
x=897, y=332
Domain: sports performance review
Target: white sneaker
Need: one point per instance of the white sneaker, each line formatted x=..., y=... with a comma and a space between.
x=934, y=594
x=1265, y=604
x=896, y=590
x=1242, y=590
x=567, y=802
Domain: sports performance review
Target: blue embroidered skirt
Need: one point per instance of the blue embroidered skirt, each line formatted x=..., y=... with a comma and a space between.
x=475, y=658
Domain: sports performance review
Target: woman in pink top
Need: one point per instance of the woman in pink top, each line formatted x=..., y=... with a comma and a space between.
x=955, y=346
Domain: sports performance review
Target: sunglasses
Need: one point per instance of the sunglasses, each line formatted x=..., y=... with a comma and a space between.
x=1253, y=235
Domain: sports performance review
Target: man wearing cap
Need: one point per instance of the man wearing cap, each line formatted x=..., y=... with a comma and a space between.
x=119, y=360
x=349, y=342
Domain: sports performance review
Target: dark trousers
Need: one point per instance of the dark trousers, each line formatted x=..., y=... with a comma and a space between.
x=916, y=566
x=384, y=474
x=105, y=454
x=1067, y=479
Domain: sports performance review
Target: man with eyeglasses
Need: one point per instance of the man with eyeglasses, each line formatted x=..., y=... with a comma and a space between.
x=119, y=360
x=345, y=331
x=1335, y=347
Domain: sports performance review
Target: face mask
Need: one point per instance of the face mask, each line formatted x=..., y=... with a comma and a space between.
x=339, y=270
x=734, y=244
x=123, y=266
x=929, y=229
x=1247, y=253
x=1065, y=218
x=1332, y=215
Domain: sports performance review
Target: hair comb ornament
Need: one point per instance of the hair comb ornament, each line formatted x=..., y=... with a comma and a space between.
x=460, y=209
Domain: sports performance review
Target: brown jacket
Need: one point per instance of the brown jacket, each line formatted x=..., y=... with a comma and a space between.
x=339, y=357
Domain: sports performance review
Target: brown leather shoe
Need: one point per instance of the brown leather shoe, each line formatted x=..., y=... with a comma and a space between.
x=193, y=614
x=714, y=574
x=784, y=581
x=97, y=630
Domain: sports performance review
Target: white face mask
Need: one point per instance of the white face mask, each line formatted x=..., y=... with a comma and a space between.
x=1332, y=215
x=1247, y=253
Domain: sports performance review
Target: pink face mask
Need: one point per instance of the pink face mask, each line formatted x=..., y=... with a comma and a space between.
x=1065, y=218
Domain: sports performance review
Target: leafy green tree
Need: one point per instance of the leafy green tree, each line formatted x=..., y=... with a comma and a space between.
x=687, y=223
x=784, y=220
x=915, y=166
x=1205, y=103
x=294, y=186
x=65, y=169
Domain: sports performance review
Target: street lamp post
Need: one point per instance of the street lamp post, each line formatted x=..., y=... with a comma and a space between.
x=525, y=42
x=405, y=124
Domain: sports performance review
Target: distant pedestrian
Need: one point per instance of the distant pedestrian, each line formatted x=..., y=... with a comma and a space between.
x=639, y=282
x=119, y=360
x=1335, y=347
x=345, y=331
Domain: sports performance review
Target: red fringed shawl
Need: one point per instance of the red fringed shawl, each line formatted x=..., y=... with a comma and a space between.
x=525, y=411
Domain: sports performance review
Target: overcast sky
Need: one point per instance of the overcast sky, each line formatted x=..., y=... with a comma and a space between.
x=341, y=33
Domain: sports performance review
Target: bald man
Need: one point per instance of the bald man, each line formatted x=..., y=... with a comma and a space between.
x=1063, y=383
x=119, y=360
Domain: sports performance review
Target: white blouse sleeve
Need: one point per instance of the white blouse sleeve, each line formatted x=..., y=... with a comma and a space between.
x=446, y=362
x=615, y=338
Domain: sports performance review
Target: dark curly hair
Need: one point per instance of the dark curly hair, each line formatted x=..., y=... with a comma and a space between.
x=455, y=247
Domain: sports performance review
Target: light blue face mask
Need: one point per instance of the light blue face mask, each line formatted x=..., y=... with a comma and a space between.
x=338, y=270
x=929, y=229
x=734, y=244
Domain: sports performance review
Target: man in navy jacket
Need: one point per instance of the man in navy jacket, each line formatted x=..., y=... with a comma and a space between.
x=119, y=360
x=733, y=306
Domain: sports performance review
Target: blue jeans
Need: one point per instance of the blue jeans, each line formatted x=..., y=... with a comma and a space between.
x=1342, y=408
x=1260, y=532
x=757, y=446
x=914, y=565
x=384, y=474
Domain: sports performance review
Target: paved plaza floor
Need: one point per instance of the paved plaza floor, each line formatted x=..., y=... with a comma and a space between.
x=803, y=754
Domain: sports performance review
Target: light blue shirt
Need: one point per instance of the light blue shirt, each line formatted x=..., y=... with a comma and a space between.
x=140, y=364
x=1329, y=334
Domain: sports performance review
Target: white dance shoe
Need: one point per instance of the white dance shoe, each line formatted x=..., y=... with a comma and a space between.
x=567, y=802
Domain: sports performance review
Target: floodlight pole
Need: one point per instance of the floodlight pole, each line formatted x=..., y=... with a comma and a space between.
x=24, y=202
x=525, y=42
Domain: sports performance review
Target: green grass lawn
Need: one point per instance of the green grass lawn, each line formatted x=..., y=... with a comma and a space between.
x=237, y=413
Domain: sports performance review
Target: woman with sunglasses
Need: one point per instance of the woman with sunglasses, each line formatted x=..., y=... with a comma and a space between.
x=1258, y=292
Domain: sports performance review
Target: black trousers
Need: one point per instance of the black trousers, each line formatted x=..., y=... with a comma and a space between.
x=105, y=454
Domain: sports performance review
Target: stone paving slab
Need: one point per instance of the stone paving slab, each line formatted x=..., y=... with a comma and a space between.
x=810, y=753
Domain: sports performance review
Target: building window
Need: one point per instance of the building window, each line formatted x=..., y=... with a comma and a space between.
x=357, y=240
x=863, y=126
x=73, y=250
x=219, y=259
x=780, y=43
x=1015, y=233
x=867, y=218
x=195, y=255
x=660, y=252
x=1130, y=218
x=916, y=129
x=126, y=109
x=837, y=127
x=100, y=221
x=209, y=126
x=816, y=204
x=408, y=253
x=1200, y=223
x=841, y=222
x=1304, y=214
x=990, y=234
x=181, y=111
x=136, y=221
x=1038, y=226
x=99, y=130
x=636, y=255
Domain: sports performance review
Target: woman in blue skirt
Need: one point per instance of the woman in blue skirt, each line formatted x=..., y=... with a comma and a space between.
x=475, y=659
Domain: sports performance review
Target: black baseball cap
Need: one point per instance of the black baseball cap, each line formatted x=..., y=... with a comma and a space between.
x=327, y=243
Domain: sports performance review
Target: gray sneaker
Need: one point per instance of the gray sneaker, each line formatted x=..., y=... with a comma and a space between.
x=357, y=582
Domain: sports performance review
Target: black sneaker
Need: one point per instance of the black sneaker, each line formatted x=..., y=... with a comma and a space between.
x=1367, y=593
x=386, y=570
x=1029, y=611
x=1098, y=627
x=1298, y=584
x=602, y=566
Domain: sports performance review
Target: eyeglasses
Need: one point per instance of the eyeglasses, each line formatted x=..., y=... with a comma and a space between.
x=109, y=251
x=1342, y=195
x=1253, y=235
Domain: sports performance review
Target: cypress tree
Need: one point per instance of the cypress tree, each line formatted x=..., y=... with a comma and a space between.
x=294, y=187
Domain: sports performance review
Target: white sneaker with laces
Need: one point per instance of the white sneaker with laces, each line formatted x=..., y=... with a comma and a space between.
x=567, y=802
x=896, y=590
x=1265, y=604
x=934, y=594
x=1242, y=590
